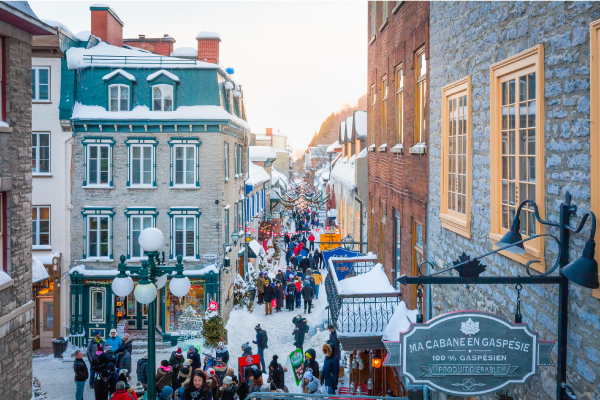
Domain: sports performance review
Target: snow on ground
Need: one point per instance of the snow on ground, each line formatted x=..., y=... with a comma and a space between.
x=56, y=375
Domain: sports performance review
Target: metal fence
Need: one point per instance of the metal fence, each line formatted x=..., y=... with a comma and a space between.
x=136, y=60
x=265, y=395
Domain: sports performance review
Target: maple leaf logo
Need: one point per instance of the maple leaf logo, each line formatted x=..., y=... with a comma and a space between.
x=469, y=327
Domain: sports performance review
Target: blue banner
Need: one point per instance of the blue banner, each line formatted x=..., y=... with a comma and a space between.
x=341, y=269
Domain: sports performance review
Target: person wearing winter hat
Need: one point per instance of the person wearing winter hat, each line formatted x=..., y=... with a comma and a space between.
x=228, y=389
x=166, y=393
x=176, y=363
x=114, y=340
x=331, y=369
x=277, y=373
x=260, y=287
x=102, y=385
x=163, y=375
x=194, y=356
x=261, y=342
x=92, y=348
x=307, y=293
x=307, y=382
x=247, y=349
x=222, y=352
x=123, y=359
x=142, y=369
x=185, y=373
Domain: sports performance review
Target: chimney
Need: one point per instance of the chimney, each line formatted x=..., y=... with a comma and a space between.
x=162, y=46
x=208, y=46
x=269, y=131
x=142, y=36
x=107, y=25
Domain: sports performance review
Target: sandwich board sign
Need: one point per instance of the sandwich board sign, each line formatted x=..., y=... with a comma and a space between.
x=468, y=353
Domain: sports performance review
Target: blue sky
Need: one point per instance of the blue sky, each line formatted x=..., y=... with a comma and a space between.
x=298, y=61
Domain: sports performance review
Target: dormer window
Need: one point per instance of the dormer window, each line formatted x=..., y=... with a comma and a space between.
x=162, y=98
x=118, y=97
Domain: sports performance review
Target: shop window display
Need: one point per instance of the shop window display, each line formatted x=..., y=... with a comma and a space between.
x=183, y=312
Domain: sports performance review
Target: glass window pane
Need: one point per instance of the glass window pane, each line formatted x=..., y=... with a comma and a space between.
x=511, y=91
x=156, y=92
x=531, y=146
x=114, y=92
x=522, y=88
x=179, y=223
x=532, y=86
x=33, y=71
x=157, y=105
x=504, y=93
x=532, y=113
x=125, y=92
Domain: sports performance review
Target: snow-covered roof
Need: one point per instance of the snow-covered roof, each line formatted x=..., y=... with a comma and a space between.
x=344, y=173
x=362, y=154
x=56, y=24
x=261, y=153
x=360, y=124
x=105, y=54
x=168, y=74
x=228, y=85
x=126, y=74
x=263, y=137
x=83, y=36
x=278, y=133
x=237, y=93
x=113, y=271
x=185, y=52
x=256, y=247
x=400, y=322
x=349, y=135
x=208, y=35
x=342, y=137
x=373, y=282
x=38, y=271
x=257, y=175
x=47, y=259
x=277, y=177
x=334, y=146
x=82, y=112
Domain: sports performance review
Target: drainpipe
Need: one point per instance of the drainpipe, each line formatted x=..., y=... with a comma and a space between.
x=428, y=309
x=246, y=208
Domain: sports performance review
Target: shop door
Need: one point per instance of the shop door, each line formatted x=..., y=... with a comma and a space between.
x=241, y=265
x=46, y=321
x=137, y=314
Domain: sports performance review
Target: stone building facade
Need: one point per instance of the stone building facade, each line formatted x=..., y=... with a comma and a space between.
x=398, y=135
x=16, y=307
x=476, y=48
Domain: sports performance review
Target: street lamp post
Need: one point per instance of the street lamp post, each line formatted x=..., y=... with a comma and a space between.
x=151, y=241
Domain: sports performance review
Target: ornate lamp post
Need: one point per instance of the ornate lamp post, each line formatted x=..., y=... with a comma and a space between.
x=152, y=276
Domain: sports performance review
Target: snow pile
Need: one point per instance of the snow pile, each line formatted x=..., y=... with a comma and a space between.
x=56, y=24
x=342, y=132
x=82, y=112
x=3, y=124
x=4, y=277
x=362, y=154
x=256, y=175
x=261, y=153
x=93, y=272
x=105, y=54
x=202, y=271
x=349, y=129
x=256, y=248
x=400, y=322
x=126, y=74
x=344, y=174
x=373, y=282
x=208, y=35
x=360, y=124
x=47, y=259
x=334, y=146
x=237, y=93
x=228, y=85
x=83, y=36
x=168, y=74
x=185, y=52
x=38, y=271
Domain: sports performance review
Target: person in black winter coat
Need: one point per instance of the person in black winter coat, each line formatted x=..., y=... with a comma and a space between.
x=108, y=356
x=305, y=264
x=142, y=369
x=331, y=369
x=317, y=258
x=310, y=361
x=81, y=374
x=269, y=295
x=279, y=296
x=247, y=350
x=334, y=342
x=299, y=330
x=290, y=295
x=307, y=294
x=195, y=357
x=102, y=385
x=127, y=343
x=280, y=277
x=277, y=373
x=293, y=260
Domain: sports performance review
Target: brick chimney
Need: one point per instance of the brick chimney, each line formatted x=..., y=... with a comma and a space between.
x=162, y=46
x=208, y=46
x=107, y=25
x=269, y=131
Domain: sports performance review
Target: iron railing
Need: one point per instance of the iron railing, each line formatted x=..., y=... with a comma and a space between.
x=358, y=313
x=300, y=396
x=137, y=60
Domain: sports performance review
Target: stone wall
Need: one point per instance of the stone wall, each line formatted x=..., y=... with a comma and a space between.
x=15, y=163
x=466, y=38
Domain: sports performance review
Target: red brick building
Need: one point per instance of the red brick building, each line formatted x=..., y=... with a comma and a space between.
x=162, y=46
x=398, y=131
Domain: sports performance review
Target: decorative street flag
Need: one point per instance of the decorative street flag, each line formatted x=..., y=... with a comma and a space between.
x=468, y=353
x=296, y=359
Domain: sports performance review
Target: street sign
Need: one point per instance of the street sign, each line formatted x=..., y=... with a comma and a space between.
x=213, y=305
x=342, y=269
x=329, y=237
x=210, y=256
x=469, y=353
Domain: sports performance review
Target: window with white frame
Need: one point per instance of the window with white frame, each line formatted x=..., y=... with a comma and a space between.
x=236, y=221
x=40, y=152
x=40, y=225
x=97, y=309
x=185, y=236
x=40, y=83
x=141, y=168
x=98, y=164
x=226, y=161
x=240, y=214
x=162, y=98
x=118, y=98
x=98, y=236
x=137, y=224
x=185, y=165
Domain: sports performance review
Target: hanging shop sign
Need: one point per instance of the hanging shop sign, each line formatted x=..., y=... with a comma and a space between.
x=213, y=305
x=468, y=353
x=210, y=256
x=342, y=269
x=329, y=237
x=265, y=231
x=296, y=359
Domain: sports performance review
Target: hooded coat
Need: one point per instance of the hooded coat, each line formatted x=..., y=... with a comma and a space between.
x=269, y=293
x=277, y=373
x=308, y=292
x=260, y=284
x=279, y=296
x=142, y=370
x=195, y=357
x=247, y=351
x=310, y=361
x=299, y=331
x=290, y=295
x=331, y=368
x=176, y=363
x=164, y=377
x=304, y=264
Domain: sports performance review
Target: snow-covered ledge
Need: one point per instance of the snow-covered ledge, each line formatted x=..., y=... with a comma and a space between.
x=4, y=128
x=419, y=148
x=383, y=147
x=399, y=148
x=371, y=147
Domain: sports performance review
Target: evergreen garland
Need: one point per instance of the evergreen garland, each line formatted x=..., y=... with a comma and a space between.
x=213, y=329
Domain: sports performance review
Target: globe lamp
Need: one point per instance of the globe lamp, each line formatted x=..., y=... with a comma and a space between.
x=151, y=239
x=145, y=293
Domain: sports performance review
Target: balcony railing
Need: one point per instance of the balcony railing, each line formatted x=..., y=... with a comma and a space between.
x=358, y=314
x=137, y=60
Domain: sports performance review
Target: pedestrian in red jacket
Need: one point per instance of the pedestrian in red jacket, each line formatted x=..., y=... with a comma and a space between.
x=296, y=251
x=300, y=246
x=311, y=239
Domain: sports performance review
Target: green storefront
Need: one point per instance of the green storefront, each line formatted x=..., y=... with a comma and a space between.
x=94, y=307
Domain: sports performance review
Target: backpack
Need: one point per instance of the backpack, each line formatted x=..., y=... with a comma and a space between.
x=96, y=364
x=264, y=339
x=306, y=329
